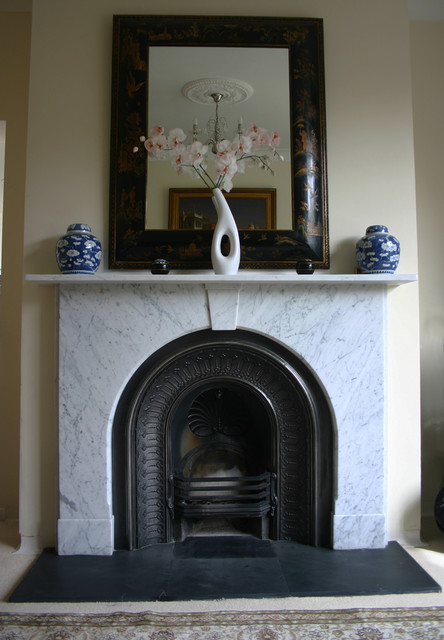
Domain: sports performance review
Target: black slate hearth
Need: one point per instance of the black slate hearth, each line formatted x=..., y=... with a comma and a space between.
x=206, y=568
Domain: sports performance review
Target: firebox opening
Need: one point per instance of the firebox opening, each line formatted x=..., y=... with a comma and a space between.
x=225, y=431
x=222, y=462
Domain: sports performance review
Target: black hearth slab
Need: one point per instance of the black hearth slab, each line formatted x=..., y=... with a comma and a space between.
x=125, y=576
x=359, y=572
x=226, y=578
x=222, y=567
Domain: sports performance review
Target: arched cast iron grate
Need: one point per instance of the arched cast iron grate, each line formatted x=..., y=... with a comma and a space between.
x=286, y=431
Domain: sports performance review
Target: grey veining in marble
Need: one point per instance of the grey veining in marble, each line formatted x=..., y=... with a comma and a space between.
x=108, y=330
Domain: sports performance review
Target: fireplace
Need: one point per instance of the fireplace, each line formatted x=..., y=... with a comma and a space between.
x=324, y=338
x=222, y=430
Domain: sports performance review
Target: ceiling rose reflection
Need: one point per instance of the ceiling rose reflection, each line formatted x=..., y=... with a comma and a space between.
x=213, y=92
x=231, y=90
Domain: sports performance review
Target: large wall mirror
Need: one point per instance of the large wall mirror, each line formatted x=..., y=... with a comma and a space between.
x=280, y=61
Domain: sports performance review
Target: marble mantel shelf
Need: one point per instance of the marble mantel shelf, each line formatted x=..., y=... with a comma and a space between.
x=208, y=277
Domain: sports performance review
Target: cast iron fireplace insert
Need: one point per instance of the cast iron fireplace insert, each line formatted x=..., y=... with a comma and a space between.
x=217, y=429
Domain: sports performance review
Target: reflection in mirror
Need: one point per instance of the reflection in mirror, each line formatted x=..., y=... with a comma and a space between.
x=264, y=71
x=145, y=68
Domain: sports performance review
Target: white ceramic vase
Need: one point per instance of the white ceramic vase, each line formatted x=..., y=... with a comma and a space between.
x=225, y=226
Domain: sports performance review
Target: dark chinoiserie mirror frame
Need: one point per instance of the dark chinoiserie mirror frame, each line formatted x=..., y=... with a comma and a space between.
x=132, y=244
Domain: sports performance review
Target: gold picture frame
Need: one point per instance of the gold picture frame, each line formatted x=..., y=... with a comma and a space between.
x=192, y=209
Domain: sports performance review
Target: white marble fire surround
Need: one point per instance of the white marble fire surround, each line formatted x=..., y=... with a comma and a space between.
x=111, y=323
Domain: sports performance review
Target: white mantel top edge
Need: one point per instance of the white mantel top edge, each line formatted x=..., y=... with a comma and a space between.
x=208, y=277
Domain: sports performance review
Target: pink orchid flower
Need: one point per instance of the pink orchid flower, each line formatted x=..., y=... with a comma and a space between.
x=197, y=153
x=175, y=137
x=176, y=155
x=224, y=148
x=156, y=131
x=274, y=140
x=254, y=131
x=155, y=146
x=226, y=168
x=231, y=157
x=244, y=145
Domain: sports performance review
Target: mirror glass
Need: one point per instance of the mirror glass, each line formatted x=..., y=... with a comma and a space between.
x=265, y=71
x=281, y=61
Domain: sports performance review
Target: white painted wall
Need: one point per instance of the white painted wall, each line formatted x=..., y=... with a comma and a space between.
x=15, y=34
x=427, y=45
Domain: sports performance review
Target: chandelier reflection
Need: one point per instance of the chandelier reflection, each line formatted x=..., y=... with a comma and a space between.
x=214, y=91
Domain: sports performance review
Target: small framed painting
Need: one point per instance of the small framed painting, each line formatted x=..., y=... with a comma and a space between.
x=192, y=209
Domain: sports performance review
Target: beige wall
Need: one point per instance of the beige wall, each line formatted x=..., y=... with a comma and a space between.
x=427, y=42
x=371, y=180
x=15, y=30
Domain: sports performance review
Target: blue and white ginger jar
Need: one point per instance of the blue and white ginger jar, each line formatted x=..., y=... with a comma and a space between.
x=79, y=251
x=377, y=251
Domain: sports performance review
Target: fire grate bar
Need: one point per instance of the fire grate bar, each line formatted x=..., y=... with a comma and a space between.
x=242, y=496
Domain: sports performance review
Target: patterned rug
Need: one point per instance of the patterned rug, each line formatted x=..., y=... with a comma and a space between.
x=353, y=624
